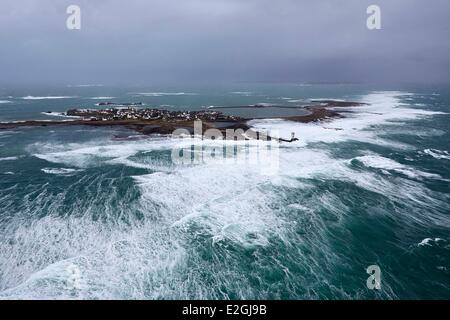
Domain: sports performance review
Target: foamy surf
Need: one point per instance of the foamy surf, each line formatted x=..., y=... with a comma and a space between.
x=59, y=114
x=47, y=97
x=243, y=93
x=378, y=162
x=384, y=108
x=9, y=158
x=437, y=154
x=429, y=242
x=101, y=98
x=136, y=225
x=61, y=171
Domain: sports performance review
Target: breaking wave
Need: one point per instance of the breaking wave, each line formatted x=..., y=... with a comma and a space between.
x=46, y=97
x=58, y=114
x=391, y=165
x=60, y=171
x=430, y=241
x=102, y=98
x=437, y=154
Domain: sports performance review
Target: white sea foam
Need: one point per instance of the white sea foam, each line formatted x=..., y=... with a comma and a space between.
x=46, y=97
x=379, y=162
x=5, y=101
x=384, y=108
x=58, y=114
x=111, y=259
x=242, y=93
x=429, y=241
x=225, y=206
x=61, y=171
x=437, y=154
x=107, y=259
x=235, y=209
x=212, y=107
x=90, y=154
x=298, y=206
x=9, y=158
x=101, y=98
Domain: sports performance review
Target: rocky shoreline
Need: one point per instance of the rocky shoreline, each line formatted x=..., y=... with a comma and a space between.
x=158, y=121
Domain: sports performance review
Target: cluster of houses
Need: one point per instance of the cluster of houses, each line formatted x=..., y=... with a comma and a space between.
x=130, y=113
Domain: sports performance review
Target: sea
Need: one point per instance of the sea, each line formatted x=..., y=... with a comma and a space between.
x=105, y=212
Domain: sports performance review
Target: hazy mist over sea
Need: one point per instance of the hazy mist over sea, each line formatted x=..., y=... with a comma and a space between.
x=152, y=42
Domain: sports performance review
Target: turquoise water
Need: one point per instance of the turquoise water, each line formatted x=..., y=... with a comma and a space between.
x=86, y=215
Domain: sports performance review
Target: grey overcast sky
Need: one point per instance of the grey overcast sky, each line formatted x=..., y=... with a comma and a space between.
x=137, y=41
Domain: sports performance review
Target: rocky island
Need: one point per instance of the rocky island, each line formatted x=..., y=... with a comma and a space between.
x=160, y=121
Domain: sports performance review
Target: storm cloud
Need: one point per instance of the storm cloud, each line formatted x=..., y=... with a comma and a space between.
x=138, y=41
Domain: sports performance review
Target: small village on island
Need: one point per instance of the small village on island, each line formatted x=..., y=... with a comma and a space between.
x=130, y=112
x=162, y=121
